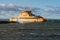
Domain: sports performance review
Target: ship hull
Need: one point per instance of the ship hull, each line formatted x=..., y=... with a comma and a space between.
x=26, y=20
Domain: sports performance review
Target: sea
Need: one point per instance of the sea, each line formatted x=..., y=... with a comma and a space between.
x=48, y=30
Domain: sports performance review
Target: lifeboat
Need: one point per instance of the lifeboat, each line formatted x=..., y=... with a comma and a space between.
x=27, y=17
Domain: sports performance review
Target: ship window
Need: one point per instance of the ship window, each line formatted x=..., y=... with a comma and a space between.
x=12, y=18
x=24, y=15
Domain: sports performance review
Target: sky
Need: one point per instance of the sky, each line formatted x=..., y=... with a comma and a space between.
x=44, y=4
x=32, y=3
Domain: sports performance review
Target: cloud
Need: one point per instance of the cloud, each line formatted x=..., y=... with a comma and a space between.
x=7, y=5
x=50, y=9
x=10, y=5
x=49, y=12
x=3, y=5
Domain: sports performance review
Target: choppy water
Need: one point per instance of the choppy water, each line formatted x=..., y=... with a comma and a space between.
x=32, y=34
x=29, y=34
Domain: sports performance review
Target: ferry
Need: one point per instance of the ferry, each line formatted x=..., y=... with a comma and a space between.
x=27, y=17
